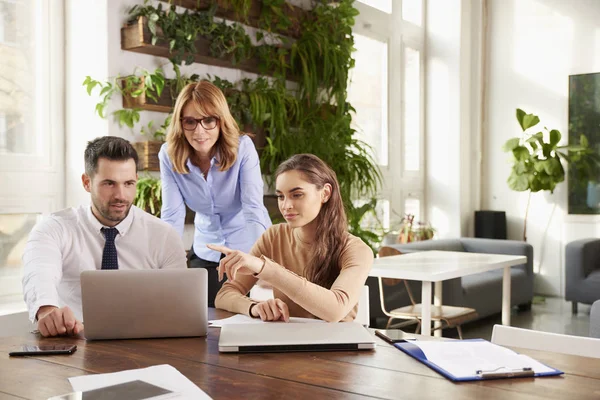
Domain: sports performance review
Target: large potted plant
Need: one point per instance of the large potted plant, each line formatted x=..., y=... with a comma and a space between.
x=537, y=158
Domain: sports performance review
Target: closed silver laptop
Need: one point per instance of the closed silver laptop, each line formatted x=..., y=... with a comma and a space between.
x=128, y=304
x=282, y=337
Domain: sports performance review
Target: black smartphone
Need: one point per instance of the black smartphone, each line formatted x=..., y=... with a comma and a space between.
x=394, y=335
x=44, y=349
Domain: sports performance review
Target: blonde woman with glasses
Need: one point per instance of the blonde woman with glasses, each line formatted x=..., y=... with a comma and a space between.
x=212, y=167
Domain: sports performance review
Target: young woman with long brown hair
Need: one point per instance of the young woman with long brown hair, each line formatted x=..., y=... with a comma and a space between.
x=316, y=267
x=212, y=167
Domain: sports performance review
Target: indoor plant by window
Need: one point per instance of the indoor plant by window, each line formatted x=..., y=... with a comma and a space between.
x=538, y=159
x=411, y=231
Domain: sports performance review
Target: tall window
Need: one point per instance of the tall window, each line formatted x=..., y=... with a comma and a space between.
x=386, y=90
x=31, y=128
x=368, y=94
x=17, y=90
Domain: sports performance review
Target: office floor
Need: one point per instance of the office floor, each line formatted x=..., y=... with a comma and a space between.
x=553, y=315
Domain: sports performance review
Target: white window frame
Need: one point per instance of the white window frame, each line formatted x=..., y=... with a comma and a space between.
x=398, y=184
x=34, y=183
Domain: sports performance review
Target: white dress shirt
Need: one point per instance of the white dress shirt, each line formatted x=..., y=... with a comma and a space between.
x=70, y=241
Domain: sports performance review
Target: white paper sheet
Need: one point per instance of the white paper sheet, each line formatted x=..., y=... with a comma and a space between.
x=164, y=376
x=244, y=319
x=463, y=358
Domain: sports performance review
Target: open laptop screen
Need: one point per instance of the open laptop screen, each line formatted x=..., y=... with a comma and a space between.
x=127, y=304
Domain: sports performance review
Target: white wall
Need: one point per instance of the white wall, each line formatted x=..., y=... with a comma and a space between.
x=85, y=54
x=533, y=46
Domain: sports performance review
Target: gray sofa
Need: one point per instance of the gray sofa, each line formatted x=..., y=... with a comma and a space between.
x=482, y=292
x=582, y=271
x=595, y=320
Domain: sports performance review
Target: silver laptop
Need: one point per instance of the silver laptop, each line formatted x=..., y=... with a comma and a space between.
x=282, y=337
x=128, y=304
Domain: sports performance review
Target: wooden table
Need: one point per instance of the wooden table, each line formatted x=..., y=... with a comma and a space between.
x=384, y=373
x=437, y=266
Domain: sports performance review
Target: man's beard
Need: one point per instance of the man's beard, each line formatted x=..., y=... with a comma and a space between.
x=109, y=215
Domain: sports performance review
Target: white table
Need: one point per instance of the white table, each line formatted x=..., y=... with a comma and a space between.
x=437, y=266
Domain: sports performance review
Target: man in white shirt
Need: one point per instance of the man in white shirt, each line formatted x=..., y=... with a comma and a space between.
x=84, y=238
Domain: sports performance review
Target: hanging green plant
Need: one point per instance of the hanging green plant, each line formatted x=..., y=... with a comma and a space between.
x=181, y=30
x=149, y=84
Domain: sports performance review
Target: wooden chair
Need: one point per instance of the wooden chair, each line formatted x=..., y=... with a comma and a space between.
x=546, y=341
x=451, y=316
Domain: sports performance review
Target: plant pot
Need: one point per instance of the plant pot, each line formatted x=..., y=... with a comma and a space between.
x=164, y=102
x=148, y=154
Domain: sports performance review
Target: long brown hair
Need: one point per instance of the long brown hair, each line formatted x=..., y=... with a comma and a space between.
x=208, y=100
x=332, y=226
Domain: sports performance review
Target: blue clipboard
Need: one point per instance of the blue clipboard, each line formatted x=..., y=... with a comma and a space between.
x=410, y=348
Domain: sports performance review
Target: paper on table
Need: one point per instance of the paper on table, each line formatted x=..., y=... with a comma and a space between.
x=244, y=319
x=463, y=358
x=164, y=376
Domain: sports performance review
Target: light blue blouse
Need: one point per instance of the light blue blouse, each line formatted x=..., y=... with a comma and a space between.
x=228, y=204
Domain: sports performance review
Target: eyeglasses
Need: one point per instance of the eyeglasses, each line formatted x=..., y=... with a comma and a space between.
x=190, y=124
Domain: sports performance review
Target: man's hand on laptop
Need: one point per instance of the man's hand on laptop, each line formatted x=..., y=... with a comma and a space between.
x=271, y=310
x=236, y=262
x=54, y=321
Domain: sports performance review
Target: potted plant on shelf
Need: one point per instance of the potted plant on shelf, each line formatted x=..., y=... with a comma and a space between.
x=414, y=232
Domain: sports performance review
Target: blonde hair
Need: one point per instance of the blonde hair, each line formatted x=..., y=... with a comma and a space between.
x=208, y=100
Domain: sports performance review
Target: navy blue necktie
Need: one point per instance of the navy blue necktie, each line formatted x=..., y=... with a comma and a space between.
x=109, y=255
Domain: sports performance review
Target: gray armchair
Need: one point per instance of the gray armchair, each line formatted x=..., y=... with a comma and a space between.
x=595, y=320
x=582, y=272
x=482, y=291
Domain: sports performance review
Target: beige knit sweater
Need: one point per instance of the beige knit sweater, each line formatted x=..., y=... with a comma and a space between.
x=286, y=259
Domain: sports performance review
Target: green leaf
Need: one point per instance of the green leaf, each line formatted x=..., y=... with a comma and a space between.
x=519, y=167
x=90, y=86
x=583, y=141
x=100, y=110
x=552, y=166
x=521, y=153
x=526, y=120
x=105, y=90
x=539, y=165
x=518, y=183
x=555, y=137
x=511, y=144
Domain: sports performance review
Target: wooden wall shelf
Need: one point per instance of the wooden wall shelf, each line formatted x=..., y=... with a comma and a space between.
x=148, y=154
x=225, y=10
x=164, y=102
x=136, y=37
